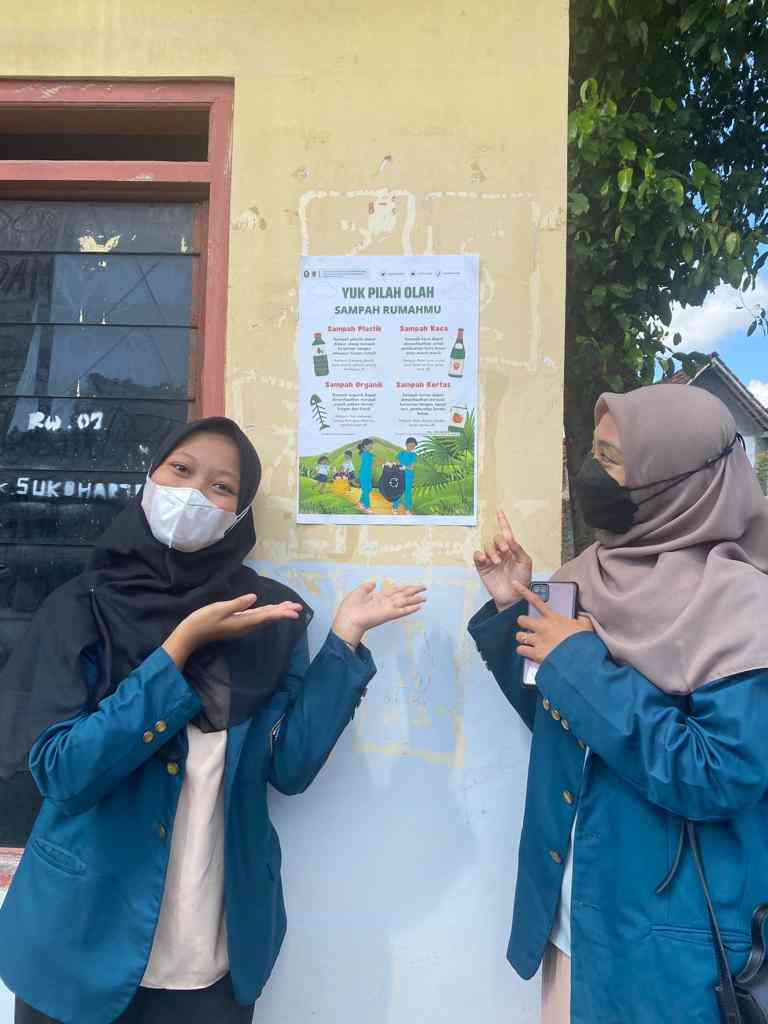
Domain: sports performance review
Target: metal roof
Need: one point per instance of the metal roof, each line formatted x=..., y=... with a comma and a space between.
x=741, y=393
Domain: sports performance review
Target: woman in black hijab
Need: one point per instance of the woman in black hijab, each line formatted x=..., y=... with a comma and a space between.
x=153, y=699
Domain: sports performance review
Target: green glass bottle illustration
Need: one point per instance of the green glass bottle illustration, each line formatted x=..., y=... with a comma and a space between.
x=320, y=356
x=458, y=355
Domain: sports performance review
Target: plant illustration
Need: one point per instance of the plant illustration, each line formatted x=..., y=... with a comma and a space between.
x=447, y=463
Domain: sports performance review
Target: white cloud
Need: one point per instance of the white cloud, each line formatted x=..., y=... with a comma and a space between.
x=721, y=314
x=759, y=389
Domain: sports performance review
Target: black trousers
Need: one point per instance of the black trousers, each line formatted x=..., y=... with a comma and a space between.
x=214, y=1005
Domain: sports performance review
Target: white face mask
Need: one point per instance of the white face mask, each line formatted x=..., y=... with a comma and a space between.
x=183, y=518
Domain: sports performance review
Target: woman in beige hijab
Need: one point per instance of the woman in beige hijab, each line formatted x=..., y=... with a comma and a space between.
x=650, y=709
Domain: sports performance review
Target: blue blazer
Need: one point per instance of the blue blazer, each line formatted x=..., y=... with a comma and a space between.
x=654, y=759
x=77, y=924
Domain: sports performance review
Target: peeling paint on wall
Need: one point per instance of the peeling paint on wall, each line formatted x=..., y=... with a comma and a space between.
x=382, y=216
x=250, y=220
x=88, y=243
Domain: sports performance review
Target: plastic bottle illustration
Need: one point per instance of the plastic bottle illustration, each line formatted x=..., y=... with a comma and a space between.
x=458, y=355
x=320, y=356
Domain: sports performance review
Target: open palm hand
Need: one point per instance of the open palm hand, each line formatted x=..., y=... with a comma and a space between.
x=366, y=607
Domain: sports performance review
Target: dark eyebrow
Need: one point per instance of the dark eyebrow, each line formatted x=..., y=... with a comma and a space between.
x=183, y=451
x=219, y=472
x=607, y=446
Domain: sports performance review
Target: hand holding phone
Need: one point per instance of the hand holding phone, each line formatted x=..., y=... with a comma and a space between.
x=563, y=598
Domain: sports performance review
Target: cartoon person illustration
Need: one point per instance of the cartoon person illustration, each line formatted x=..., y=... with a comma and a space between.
x=344, y=475
x=407, y=459
x=367, y=459
x=322, y=469
x=348, y=467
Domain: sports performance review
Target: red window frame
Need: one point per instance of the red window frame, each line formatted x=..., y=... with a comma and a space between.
x=206, y=181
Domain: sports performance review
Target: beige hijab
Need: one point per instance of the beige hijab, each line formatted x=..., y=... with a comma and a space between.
x=683, y=596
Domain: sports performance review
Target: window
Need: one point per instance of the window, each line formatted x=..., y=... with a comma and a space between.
x=113, y=197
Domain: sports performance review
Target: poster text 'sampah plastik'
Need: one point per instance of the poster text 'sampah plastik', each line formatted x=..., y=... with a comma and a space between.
x=388, y=381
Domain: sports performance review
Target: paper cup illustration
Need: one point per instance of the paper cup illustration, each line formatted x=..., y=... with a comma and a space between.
x=457, y=418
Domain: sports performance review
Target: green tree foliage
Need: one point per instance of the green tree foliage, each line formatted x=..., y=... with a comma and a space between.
x=762, y=471
x=668, y=111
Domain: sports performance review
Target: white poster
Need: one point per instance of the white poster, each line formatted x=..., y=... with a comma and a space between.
x=388, y=389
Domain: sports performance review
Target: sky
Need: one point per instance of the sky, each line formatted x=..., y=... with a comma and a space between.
x=720, y=325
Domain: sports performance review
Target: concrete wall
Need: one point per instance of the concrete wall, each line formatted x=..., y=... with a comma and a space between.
x=451, y=116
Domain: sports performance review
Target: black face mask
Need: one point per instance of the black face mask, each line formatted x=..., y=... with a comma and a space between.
x=606, y=505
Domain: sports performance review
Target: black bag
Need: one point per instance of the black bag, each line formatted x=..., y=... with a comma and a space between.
x=392, y=481
x=743, y=998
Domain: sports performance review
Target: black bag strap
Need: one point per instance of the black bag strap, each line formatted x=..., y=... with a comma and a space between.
x=726, y=993
x=757, y=952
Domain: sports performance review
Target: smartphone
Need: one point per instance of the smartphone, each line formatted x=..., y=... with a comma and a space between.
x=562, y=598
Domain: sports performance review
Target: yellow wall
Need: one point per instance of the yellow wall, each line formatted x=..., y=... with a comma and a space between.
x=454, y=114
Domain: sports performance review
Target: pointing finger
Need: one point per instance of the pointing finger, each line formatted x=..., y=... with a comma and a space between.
x=533, y=599
x=504, y=523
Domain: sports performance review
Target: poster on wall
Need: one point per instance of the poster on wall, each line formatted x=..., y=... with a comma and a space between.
x=9, y=861
x=388, y=389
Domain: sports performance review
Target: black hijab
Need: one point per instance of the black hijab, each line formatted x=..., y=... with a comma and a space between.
x=134, y=593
